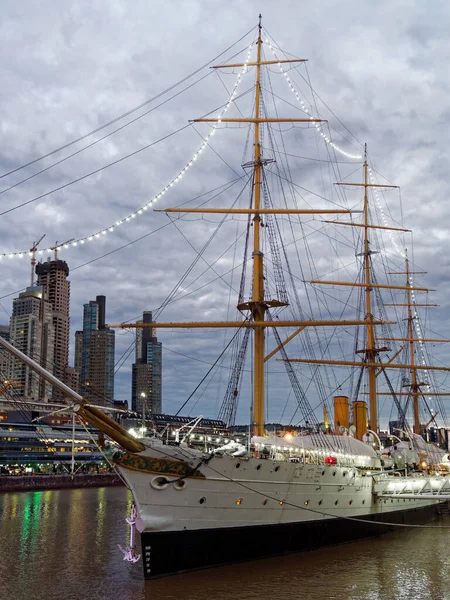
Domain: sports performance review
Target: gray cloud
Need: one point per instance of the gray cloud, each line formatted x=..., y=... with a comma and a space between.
x=69, y=67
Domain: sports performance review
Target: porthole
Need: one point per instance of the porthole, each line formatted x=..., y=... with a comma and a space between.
x=277, y=468
x=265, y=501
x=334, y=473
x=344, y=474
x=258, y=467
x=350, y=501
x=159, y=483
x=180, y=485
x=323, y=473
x=320, y=502
x=363, y=501
x=202, y=500
x=336, y=502
x=239, y=501
x=306, y=502
x=238, y=465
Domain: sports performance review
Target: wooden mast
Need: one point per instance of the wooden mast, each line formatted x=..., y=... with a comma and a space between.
x=415, y=388
x=415, y=385
x=258, y=305
x=373, y=367
x=370, y=351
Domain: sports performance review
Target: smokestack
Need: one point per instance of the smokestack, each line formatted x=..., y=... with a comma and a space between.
x=340, y=413
x=360, y=418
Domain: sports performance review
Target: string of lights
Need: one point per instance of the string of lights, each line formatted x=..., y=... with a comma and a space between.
x=138, y=212
x=305, y=109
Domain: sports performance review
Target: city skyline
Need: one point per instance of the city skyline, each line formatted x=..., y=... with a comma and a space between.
x=93, y=378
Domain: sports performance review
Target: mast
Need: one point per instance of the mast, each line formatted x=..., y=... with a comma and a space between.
x=415, y=384
x=415, y=389
x=375, y=367
x=258, y=307
x=370, y=351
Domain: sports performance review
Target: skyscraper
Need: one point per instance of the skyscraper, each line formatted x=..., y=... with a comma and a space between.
x=146, y=387
x=78, y=352
x=52, y=275
x=5, y=357
x=32, y=331
x=94, y=354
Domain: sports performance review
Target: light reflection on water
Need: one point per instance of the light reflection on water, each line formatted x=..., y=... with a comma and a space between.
x=62, y=544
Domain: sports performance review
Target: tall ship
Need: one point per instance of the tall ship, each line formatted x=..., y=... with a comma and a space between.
x=324, y=482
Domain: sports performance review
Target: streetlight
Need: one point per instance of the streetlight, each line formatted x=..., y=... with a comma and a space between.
x=143, y=396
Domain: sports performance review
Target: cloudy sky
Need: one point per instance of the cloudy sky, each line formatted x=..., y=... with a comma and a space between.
x=68, y=68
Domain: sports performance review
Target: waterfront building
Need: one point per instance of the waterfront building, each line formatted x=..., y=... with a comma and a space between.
x=46, y=444
x=146, y=386
x=32, y=331
x=52, y=276
x=94, y=354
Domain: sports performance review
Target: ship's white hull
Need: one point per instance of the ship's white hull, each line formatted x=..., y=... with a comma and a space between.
x=229, y=497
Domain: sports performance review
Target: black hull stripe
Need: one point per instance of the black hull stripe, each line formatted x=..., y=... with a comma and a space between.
x=170, y=552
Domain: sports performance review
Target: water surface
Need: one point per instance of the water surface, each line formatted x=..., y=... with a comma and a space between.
x=62, y=544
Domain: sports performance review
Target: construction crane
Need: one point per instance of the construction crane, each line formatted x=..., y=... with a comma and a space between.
x=58, y=246
x=33, y=258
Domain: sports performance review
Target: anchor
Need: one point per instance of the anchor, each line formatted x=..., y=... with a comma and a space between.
x=129, y=554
